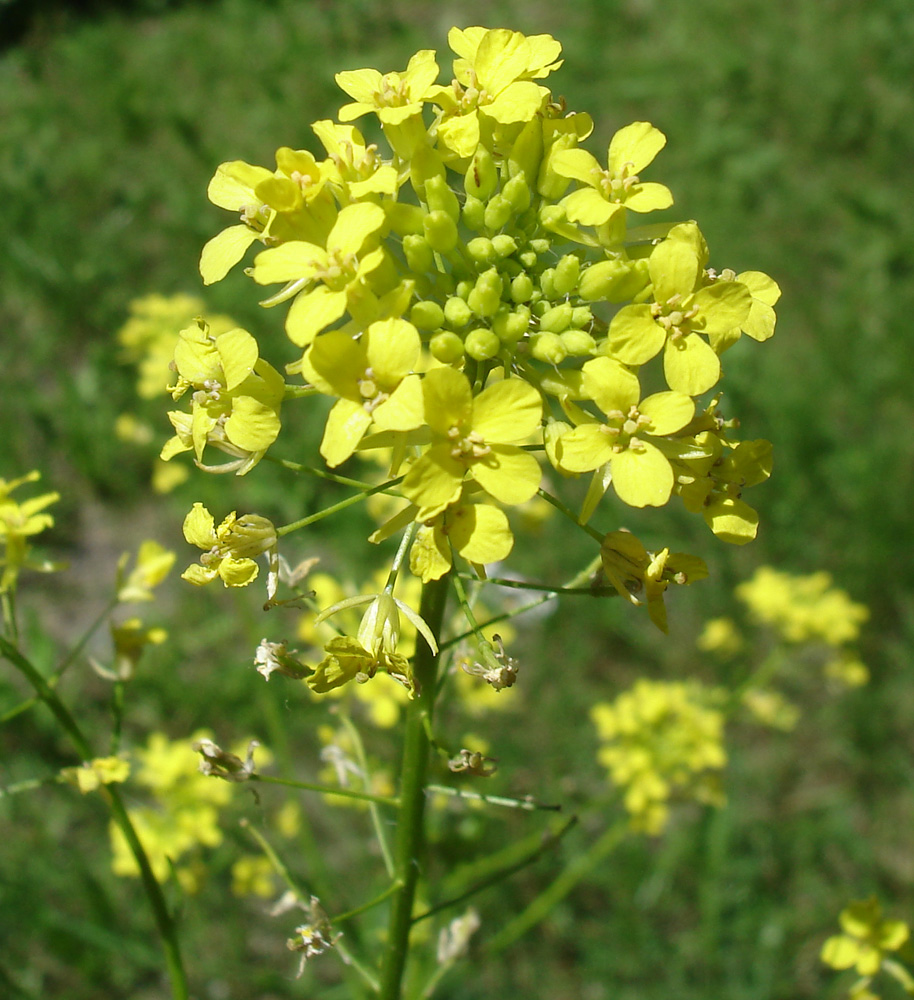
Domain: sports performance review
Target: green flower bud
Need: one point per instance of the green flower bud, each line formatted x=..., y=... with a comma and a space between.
x=446, y=347
x=581, y=317
x=528, y=258
x=548, y=348
x=504, y=244
x=440, y=198
x=547, y=284
x=498, y=212
x=403, y=217
x=539, y=306
x=419, y=256
x=578, y=343
x=481, y=177
x=427, y=315
x=613, y=280
x=463, y=288
x=485, y=298
x=557, y=319
x=482, y=250
x=440, y=231
x=424, y=164
x=474, y=213
x=527, y=151
x=566, y=274
x=540, y=246
x=512, y=325
x=549, y=184
x=522, y=288
x=517, y=191
x=457, y=312
x=482, y=344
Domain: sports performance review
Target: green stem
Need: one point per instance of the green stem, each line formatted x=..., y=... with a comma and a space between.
x=579, y=869
x=570, y=514
x=163, y=919
x=310, y=786
x=342, y=505
x=410, y=819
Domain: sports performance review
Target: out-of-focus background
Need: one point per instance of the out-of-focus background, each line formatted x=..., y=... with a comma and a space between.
x=790, y=139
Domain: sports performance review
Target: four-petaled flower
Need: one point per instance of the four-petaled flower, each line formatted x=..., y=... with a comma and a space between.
x=641, y=473
x=476, y=436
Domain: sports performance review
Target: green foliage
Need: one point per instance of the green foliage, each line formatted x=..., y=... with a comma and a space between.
x=800, y=122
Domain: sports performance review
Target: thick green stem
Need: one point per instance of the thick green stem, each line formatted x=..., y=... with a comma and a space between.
x=411, y=816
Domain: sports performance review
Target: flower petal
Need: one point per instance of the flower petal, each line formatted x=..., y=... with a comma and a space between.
x=510, y=475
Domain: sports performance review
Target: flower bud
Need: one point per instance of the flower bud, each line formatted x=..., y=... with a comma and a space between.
x=566, y=274
x=498, y=212
x=404, y=218
x=548, y=348
x=482, y=344
x=457, y=312
x=481, y=178
x=504, y=245
x=474, y=213
x=511, y=326
x=440, y=198
x=446, y=347
x=427, y=315
x=440, y=231
x=517, y=191
x=485, y=297
x=419, y=257
x=482, y=250
x=522, y=288
x=578, y=343
x=557, y=319
x=613, y=280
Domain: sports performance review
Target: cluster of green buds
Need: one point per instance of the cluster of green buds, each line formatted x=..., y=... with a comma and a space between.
x=483, y=304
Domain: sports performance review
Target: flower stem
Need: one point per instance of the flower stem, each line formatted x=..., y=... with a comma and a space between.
x=163, y=918
x=409, y=845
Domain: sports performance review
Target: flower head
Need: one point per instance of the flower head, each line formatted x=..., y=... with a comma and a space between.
x=230, y=549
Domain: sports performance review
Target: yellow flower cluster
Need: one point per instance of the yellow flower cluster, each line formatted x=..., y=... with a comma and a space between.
x=809, y=609
x=481, y=300
x=661, y=741
x=802, y=608
x=185, y=812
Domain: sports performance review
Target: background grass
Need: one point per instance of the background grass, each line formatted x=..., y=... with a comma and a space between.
x=790, y=138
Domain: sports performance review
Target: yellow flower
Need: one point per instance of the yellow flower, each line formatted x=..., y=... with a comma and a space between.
x=230, y=549
x=330, y=275
x=372, y=378
x=618, y=186
x=236, y=398
x=153, y=564
x=866, y=940
x=682, y=309
x=476, y=436
x=97, y=772
x=493, y=78
x=641, y=473
x=393, y=96
x=19, y=522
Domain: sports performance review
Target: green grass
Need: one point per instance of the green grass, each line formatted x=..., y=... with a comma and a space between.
x=789, y=139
